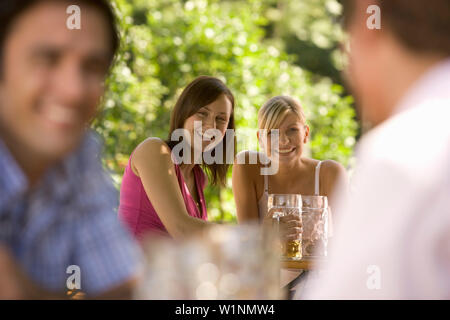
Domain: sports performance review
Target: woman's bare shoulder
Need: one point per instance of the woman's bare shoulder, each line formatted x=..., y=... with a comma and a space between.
x=153, y=146
x=332, y=167
x=154, y=149
x=332, y=171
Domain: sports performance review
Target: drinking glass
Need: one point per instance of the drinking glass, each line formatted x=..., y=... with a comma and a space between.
x=222, y=262
x=281, y=205
x=315, y=226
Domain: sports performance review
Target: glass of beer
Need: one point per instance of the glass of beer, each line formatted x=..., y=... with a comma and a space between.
x=315, y=213
x=282, y=205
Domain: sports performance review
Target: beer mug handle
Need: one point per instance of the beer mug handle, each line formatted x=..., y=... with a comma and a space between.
x=329, y=223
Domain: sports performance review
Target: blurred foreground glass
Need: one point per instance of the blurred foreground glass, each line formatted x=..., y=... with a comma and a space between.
x=225, y=262
x=281, y=205
x=315, y=226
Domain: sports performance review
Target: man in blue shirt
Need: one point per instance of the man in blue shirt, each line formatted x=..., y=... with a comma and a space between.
x=56, y=203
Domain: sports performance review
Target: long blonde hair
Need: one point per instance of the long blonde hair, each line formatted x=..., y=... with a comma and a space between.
x=273, y=112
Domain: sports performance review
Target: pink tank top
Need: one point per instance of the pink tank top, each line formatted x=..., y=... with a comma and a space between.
x=137, y=212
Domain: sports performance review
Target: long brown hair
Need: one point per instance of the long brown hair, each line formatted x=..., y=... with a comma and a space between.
x=200, y=92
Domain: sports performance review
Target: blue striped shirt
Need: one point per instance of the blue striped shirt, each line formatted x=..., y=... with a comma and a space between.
x=68, y=219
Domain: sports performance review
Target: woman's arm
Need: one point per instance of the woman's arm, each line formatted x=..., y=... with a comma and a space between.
x=335, y=185
x=335, y=181
x=152, y=162
x=244, y=189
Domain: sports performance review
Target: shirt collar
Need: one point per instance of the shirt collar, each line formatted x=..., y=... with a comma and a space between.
x=13, y=181
x=58, y=181
x=67, y=175
x=434, y=84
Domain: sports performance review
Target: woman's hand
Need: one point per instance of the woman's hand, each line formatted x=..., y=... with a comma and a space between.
x=290, y=225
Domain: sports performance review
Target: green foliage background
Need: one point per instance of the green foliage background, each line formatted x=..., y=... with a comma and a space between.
x=167, y=43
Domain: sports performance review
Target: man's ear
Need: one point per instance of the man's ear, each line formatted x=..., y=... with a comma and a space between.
x=306, y=138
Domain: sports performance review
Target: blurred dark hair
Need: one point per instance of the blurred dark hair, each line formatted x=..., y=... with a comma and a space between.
x=10, y=10
x=422, y=26
x=200, y=92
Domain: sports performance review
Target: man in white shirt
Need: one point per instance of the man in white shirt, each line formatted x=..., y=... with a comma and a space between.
x=392, y=236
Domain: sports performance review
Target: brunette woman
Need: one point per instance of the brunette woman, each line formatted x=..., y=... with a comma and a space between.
x=162, y=191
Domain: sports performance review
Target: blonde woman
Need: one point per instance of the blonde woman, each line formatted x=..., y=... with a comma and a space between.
x=296, y=173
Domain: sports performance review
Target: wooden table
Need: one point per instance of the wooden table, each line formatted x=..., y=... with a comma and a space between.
x=293, y=272
x=303, y=264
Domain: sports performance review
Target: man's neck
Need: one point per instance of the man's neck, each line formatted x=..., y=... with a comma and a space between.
x=406, y=68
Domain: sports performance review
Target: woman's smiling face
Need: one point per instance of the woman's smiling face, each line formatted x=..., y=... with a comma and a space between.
x=292, y=135
x=215, y=115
